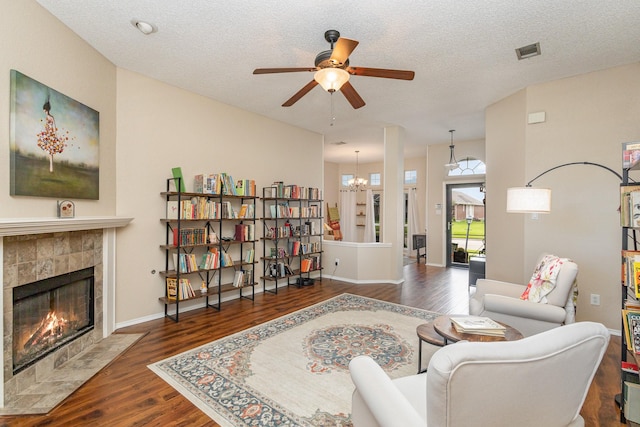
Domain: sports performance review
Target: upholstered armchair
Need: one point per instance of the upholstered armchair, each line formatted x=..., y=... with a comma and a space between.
x=501, y=301
x=540, y=380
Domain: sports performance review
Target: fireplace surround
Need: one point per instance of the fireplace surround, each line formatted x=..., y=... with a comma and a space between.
x=30, y=258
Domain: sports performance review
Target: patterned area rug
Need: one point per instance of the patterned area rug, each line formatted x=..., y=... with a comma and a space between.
x=293, y=370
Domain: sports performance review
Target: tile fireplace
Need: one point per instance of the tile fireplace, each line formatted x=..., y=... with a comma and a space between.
x=38, y=250
x=53, y=304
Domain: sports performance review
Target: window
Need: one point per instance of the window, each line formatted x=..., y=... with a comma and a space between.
x=345, y=179
x=410, y=177
x=374, y=178
x=468, y=166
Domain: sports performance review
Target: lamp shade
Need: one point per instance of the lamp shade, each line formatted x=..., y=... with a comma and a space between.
x=528, y=199
x=331, y=79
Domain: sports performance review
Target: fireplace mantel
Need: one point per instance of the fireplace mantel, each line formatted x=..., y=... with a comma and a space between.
x=22, y=226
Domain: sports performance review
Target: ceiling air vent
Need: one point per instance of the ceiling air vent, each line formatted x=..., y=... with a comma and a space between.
x=528, y=51
x=339, y=143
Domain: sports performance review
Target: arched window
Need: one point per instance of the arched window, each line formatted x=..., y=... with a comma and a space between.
x=469, y=166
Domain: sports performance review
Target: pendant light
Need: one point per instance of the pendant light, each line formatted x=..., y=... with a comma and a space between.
x=453, y=163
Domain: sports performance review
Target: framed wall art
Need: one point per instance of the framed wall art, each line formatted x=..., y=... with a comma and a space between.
x=54, y=143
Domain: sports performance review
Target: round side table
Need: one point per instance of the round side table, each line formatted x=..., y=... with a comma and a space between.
x=426, y=333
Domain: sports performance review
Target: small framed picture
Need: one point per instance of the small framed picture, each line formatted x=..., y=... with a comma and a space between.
x=66, y=209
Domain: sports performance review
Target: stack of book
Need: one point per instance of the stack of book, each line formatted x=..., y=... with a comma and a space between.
x=478, y=325
x=631, y=322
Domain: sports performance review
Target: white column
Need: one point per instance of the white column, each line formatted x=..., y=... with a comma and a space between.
x=392, y=218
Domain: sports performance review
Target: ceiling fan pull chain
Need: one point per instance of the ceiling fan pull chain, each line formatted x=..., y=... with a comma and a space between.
x=333, y=117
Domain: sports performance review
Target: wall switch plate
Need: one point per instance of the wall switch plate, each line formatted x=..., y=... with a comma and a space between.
x=595, y=299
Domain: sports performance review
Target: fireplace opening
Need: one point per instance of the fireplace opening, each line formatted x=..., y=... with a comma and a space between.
x=50, y=313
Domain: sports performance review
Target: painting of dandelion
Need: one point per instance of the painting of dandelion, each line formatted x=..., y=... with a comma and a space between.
x=54, y=143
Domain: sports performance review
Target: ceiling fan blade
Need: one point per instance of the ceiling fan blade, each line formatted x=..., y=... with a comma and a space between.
x=342, y=50
x=352, y=96
x=381, y=72
x=302, y=92
x=281, y=70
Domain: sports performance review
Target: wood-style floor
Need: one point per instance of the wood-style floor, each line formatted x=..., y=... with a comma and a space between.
x=127, y=393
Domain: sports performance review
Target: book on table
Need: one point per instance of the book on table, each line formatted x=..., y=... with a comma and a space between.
x=477, y=325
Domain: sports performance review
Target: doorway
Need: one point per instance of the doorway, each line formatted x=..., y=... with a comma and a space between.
x=465, y=223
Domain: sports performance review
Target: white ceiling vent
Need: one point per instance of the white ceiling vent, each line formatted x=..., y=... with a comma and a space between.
x=528, y=51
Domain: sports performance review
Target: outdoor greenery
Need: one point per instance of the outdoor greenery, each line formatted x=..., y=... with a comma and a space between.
x=459, y=230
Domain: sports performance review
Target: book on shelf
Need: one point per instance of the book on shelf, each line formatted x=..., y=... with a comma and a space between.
x=630, y=205
x=249, y=256
x=172, y=288
x=184, y=289
x=630, y=154
x=636, y=278
x=199, y=183
x=631, y=405
x=477, y=325
x=631, y=326
x=630, y=367
x=172, y=209
x=305, y=265
x=210, y=260
x=239, y=279
x=178, y=179
x=185, y=263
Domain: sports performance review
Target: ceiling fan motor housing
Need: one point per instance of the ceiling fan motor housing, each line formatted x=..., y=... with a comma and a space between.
x=323, y=60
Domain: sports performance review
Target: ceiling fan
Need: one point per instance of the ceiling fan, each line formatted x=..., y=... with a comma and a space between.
x=333, y=71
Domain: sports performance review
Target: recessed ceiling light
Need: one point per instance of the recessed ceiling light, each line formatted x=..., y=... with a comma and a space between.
x=144, y=27
x=528, y=51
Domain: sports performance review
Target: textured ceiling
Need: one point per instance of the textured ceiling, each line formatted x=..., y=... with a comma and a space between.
x=462, y=52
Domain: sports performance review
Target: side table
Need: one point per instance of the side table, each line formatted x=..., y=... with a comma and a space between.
x=426, y=333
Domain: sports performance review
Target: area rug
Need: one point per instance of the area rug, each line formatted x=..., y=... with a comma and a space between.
x=293, y=371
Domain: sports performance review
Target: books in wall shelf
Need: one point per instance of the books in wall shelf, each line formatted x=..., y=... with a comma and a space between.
x=630, y=154
x=172, y=288
x=631, y=405
x=631, y=324
x=477, y=325
x=630, y=205
x=630, y=367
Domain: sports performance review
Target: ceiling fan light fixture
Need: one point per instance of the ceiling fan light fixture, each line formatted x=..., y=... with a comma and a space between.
x=331, y=79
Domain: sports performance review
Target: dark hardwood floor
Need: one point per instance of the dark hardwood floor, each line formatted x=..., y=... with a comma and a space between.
x=127, y=393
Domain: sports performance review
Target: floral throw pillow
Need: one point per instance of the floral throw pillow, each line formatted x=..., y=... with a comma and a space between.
x=543, y=280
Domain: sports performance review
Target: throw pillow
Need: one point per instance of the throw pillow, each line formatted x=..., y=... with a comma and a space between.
x=543, y=280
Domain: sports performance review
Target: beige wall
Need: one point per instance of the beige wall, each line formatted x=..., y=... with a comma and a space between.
x=437, y=179
x=587, y=119
x=159, y=127
x=41, y=47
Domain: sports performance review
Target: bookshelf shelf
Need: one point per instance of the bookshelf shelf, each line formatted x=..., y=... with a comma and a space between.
x=202, y=232
x=629, y=198
x=292, y=236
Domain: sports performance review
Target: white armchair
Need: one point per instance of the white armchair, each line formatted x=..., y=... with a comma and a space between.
x=540, y=380
x=501, y=301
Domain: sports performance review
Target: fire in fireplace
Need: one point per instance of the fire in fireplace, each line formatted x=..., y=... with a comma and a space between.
x=50, y=313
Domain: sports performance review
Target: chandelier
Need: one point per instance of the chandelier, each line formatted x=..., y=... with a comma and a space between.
x=357, y=183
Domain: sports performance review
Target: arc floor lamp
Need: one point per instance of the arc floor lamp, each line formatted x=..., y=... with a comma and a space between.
x=530, y=199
